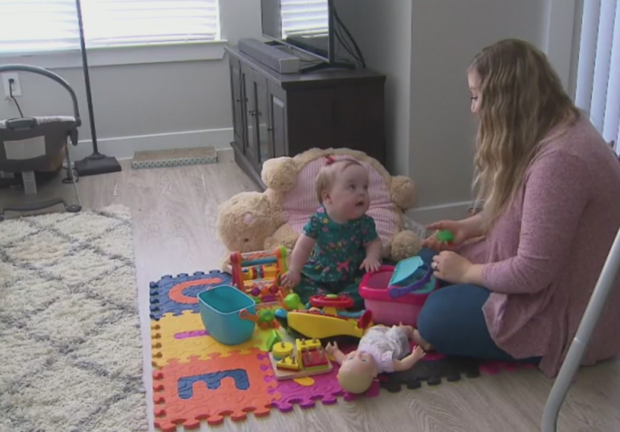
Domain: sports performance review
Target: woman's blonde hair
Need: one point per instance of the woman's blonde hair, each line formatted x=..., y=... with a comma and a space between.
x=521, y=101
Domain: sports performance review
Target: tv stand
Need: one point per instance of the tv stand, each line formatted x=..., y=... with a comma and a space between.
x=278, y=115
x=322, y=66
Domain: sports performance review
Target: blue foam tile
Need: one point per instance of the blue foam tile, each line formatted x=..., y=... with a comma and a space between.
x=160, y=295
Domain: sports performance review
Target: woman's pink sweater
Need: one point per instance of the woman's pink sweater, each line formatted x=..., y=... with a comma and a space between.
x=544, y=255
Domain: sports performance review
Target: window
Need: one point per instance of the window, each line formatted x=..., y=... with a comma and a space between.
x=598, y=68
x=304, y=18
x=34, y=26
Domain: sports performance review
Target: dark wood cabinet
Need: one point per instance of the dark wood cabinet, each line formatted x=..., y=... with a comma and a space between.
x=283, y=115
x=237, y=104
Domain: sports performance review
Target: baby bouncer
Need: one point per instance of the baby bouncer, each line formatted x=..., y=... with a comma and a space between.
x=30, y=144
x=602, y=291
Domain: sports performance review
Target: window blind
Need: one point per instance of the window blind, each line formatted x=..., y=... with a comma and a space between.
x=305, y=18
x=130, y=22
x=598, y=67
x=48, y=25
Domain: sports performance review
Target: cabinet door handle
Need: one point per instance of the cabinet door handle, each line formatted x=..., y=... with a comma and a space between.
x=269, y=129
x=237, y=100
x=252, y=112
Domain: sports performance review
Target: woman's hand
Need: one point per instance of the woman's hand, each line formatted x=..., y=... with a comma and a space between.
x=460, y=230
x=452, y=267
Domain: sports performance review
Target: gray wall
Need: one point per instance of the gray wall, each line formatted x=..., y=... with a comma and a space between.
x=446, y=34
x=149, y=99
x=424, y=47
x=382, y=29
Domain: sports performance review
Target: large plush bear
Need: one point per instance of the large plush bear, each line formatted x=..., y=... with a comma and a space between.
x=251, y=221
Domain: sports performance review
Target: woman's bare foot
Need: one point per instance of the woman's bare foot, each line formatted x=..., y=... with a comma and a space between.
x=417, y=339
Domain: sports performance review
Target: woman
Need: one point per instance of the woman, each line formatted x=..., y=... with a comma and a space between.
x=521, y=272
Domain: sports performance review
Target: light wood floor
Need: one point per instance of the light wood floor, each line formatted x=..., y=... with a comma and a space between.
x=174, y=212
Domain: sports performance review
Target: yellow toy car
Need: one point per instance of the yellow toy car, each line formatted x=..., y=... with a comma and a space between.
x=325, y=319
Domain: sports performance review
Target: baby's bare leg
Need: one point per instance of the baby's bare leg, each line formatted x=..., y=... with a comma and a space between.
x=407, y=329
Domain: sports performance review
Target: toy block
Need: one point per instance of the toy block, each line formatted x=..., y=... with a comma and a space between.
x=282, y=350
x=314, y=358
x=273, y=339
x=310, y=344
x=288, y=363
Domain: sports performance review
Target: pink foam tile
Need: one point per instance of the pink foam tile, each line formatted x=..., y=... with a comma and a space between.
x=325, y=389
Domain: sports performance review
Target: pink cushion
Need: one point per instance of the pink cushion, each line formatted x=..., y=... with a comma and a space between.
x=301, y=202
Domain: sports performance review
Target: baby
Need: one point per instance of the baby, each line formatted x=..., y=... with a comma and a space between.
x=340, y=241
x=381, y=349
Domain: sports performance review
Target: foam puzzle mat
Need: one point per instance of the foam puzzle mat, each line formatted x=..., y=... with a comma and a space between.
x=196, y=378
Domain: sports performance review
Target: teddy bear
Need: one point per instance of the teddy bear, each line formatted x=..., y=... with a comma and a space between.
x=252, y=221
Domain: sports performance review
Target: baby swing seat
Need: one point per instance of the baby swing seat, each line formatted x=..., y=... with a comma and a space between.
x=31, y=144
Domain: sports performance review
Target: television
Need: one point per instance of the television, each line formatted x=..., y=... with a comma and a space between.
x=305, y=25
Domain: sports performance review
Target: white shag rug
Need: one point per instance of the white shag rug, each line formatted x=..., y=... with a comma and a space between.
x=70, y=344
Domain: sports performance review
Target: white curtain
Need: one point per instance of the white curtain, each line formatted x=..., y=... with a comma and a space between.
x=598, y=74
x=49, y=25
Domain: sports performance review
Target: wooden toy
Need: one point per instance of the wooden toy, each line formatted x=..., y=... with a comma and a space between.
x=258, y=273
x=302, y=359
x=282, y=350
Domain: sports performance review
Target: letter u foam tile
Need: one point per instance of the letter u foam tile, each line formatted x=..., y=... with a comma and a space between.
x=184, y=336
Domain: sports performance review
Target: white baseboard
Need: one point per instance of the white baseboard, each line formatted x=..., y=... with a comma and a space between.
x=125, y=147
x=429, y=214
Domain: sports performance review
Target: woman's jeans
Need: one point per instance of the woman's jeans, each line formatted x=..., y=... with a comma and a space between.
x=453, y=323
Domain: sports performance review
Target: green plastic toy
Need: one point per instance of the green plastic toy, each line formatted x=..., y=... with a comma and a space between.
x=274, y=338
x=292, y=301
x=445, y=236
x=266, y=316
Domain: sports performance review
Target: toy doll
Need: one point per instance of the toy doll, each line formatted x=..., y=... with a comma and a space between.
x=381, y=349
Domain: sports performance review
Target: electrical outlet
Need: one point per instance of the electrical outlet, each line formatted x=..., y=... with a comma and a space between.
x=17, y=86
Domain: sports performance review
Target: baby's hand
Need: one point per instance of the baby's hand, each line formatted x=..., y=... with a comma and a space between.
x=370, y=264
x=408, y=362
x=418, y=353
x=291, y=278
x=331, y=348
